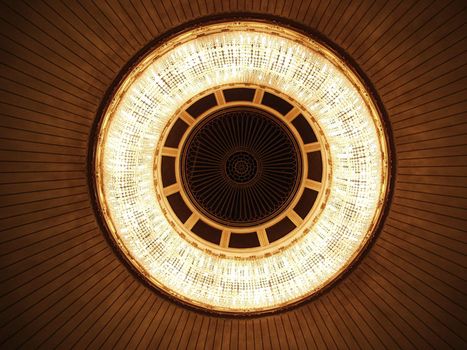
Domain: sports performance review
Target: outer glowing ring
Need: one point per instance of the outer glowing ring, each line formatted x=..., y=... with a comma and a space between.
x=226, y=284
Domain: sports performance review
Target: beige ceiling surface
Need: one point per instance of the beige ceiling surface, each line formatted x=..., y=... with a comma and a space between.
x=61, y=282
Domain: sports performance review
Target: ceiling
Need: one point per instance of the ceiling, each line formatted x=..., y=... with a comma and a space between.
x=63, y=285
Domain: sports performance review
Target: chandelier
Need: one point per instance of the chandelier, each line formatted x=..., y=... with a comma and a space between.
x=241, y=166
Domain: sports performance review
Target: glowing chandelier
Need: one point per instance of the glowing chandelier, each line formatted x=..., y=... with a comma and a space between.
x=171, y=188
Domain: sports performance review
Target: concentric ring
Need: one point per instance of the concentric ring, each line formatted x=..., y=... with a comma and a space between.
x=258, y=217
x=206, y=58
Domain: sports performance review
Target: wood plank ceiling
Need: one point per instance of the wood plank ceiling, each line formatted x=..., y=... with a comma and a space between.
x=61, y=283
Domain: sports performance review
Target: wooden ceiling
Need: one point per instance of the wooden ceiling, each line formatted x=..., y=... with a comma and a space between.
x=62, y=284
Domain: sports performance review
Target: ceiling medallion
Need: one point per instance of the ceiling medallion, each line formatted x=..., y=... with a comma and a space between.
x=241, y=166
x=239, y=169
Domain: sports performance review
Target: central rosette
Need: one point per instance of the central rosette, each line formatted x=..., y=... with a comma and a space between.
x=241, y=166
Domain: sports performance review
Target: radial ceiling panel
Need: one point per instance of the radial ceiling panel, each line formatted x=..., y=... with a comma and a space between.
x=63, y=285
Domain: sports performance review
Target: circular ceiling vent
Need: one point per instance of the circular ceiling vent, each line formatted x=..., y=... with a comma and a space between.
x=241, y=166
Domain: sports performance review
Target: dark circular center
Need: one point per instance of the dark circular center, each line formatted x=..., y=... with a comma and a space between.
x=241, y=166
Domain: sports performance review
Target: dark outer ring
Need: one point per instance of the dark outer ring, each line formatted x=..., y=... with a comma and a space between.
x=219, y=18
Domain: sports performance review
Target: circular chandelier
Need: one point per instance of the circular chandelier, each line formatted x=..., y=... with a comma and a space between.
x=241, y=166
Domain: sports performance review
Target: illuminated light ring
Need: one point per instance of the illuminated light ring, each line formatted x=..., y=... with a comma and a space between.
x=251, y=53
